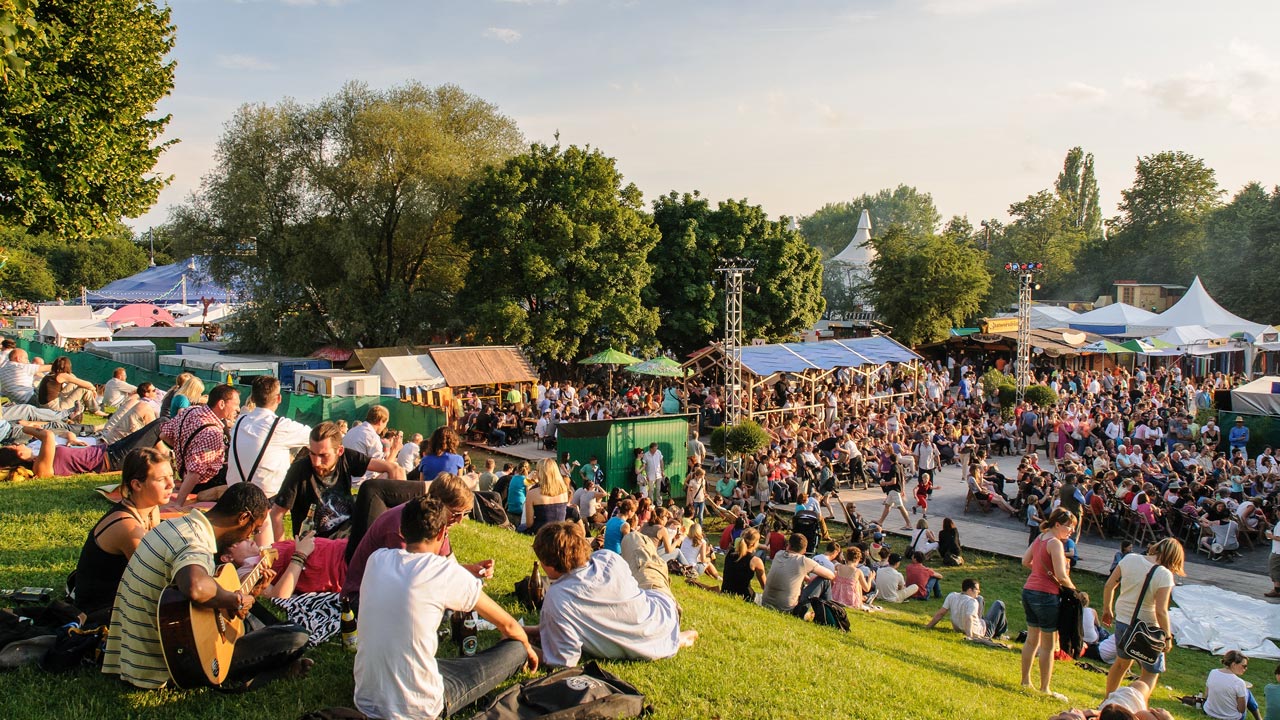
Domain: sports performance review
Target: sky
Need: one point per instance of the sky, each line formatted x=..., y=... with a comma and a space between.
x=790, y=104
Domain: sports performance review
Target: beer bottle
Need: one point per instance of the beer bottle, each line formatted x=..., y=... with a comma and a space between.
x=309, y=522
x=465, y=634
x=348, y=626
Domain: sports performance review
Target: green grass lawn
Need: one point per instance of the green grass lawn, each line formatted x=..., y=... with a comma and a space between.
x=749, y=662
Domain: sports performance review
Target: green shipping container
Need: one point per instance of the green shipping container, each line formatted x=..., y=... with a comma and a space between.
x=614, y=443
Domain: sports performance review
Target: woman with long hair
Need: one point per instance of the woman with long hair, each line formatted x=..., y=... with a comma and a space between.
x=851, y=585
x=61, y=390
x=949, y=546
x=548, y=499
x=742, y=564
x=186, y=391
x=76, y=457
x=1050, y=574
x=146, y=482
x=441, y=455
x=695, y=553
x=1164, y=560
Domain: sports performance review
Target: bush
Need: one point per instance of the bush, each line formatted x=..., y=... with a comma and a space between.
x=993, y=383
x=717, y=440
x=1040, y=396
x=745, y=438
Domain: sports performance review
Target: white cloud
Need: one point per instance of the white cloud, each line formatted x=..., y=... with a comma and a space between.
x=506, y=35
x=243, y=62
x=971, y=7
x=1241, y=84
x=1075, y=93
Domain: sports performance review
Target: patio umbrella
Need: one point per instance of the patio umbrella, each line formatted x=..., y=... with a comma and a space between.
x=1137, y=346
x=660, y=366
x=610, y=357
x=142, y=315
x=1105, y=346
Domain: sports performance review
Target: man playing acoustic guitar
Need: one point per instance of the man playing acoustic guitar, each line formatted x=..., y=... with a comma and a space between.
x=180, y=553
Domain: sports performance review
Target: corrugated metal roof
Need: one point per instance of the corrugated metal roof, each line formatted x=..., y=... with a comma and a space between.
x=764, y=360
x=470, y=366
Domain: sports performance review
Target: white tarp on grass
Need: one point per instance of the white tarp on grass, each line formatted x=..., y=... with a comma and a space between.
x=1218, y=620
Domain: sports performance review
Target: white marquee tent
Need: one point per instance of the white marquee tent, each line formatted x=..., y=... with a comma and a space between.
x=1197, y=308
x=1114, y=319
x=62, y=330
x=1260, y=397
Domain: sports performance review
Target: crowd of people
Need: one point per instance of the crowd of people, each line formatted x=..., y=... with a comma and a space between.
x=370, y=508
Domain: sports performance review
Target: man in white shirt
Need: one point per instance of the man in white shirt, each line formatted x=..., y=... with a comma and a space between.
x=18, y=377
x=966, y=613
x=890, y=585
x=116, y=391
x=262, y=446
x=366, y=437
x=411, y=454
x=653, y=472
x=594, y=606
x=404, y=594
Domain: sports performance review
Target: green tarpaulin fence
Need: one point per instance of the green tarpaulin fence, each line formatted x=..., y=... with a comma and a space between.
x=305, y=408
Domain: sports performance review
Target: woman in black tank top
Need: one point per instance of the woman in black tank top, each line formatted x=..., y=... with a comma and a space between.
x=741, y=565
x=146, y=482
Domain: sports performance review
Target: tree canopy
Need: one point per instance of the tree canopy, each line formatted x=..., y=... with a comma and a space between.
x=924, y=285
x=831, y=227
x=337, y=218
x=688, y=293
x=557, y=243
x=79, y=138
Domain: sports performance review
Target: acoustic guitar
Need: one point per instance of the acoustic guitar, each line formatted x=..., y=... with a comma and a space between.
x=198, y=642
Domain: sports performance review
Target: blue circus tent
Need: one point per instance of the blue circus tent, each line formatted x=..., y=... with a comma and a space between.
x=183, y=282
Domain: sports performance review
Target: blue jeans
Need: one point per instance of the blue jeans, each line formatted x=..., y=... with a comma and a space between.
x=933, y=587
x=467, y=679
x=996, y=620
x=699, y=510
x=819, y=588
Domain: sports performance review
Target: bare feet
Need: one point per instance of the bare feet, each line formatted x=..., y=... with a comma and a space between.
x=687, y=638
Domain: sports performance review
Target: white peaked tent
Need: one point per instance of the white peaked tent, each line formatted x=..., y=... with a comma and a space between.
x=1114, y=319
x=218, y=312
x=1197, y=308
x=1194, y=340
x=62, y=330
x=1047, y=317
x=859, y=251
x=1260, y=397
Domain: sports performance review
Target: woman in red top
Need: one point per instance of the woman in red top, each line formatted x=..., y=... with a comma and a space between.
x=1049, y=575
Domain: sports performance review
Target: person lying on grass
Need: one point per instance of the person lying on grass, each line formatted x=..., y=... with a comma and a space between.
x=76, y=457
x=404, y=594
x=1126, y=703
x=594, y=606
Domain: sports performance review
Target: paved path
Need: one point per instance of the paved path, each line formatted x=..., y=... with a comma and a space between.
x=997, y=533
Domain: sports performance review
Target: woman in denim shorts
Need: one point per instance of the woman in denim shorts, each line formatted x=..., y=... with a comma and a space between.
x=1050, y=573
x=1129, y=577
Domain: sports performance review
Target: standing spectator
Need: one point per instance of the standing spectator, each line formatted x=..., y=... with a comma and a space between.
x=261, y=448
x=697, y=451
x=654, y=472
x=1273, y=562
x=198, y=438
x=115, y=391
x=1238, y=438
x=517, y=490
x=18, y=377
x=695, y=493
x=1047, y=561
x=366, y=438
x=1163, y=560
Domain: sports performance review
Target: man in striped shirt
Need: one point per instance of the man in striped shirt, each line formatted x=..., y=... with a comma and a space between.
x=180, y=553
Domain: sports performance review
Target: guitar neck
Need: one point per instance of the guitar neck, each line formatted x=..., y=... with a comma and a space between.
x=255, y=575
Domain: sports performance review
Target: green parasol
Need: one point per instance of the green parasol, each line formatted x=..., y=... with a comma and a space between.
x=660, y=366
x=610, y=357
x=1105, y=346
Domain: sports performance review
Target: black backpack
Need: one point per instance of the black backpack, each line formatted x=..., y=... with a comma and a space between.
x=826, y=612
x=578, y=693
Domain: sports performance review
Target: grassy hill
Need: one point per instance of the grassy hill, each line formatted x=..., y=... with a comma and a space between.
x=749, y=662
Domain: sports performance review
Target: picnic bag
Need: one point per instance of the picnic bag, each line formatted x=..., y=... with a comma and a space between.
x=1141, y=641
x=577, y=693
x=826, y=612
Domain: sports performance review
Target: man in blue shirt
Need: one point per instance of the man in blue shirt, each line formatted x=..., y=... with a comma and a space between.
x=1238, y=438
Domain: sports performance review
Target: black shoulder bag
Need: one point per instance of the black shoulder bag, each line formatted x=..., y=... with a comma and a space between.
x=1141, y=641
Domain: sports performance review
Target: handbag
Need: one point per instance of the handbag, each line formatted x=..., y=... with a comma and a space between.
x=1141, y=641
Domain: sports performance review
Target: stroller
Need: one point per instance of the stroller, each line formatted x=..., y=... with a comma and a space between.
x=806, y=523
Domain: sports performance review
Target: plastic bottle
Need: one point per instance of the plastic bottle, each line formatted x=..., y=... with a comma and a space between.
x=348, y=626
x=465, y=634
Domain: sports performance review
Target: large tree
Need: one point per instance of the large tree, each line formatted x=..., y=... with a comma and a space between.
x=79, y=137
x=924, y=285
x=831, y=227
x=19, y=31
x=337, y=219
x=44, y=266
x=1077, y=189
x=558, y=246
x=689, y=294
x=1240, y=234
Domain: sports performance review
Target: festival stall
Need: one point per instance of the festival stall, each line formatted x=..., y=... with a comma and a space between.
x=613, y=443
